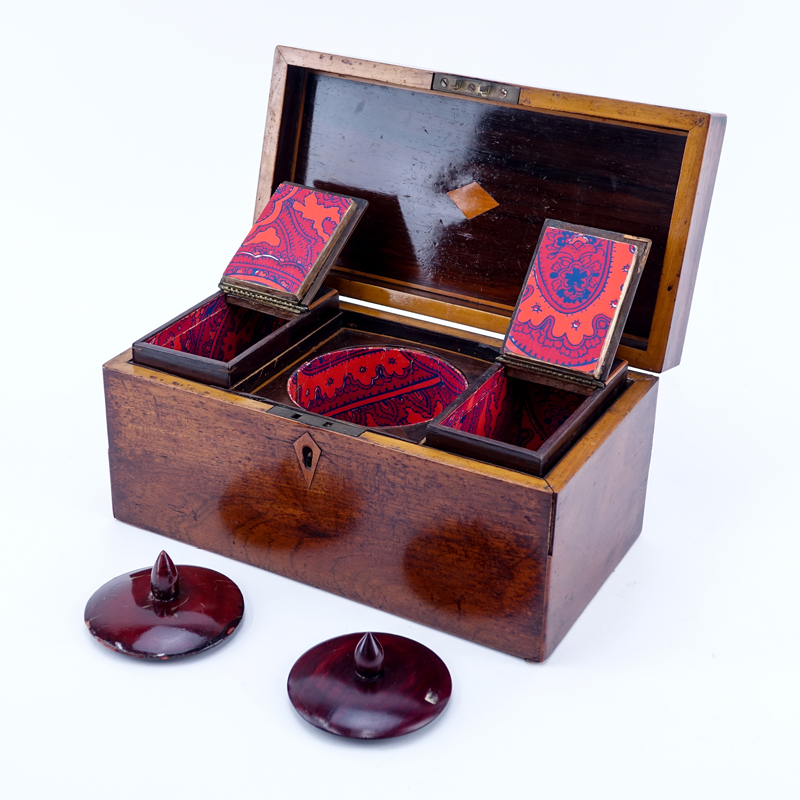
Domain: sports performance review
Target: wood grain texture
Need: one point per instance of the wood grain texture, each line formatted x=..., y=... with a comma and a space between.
x=347, y=66
x=708, y=162
x=482, y=551
x=636, y=168
x=608, y=108
x=535, y=166
x=286, y=92
x=600, y=488
x=420, y=303
x=406, y=529
x=682, y=258
x=427, y=325
x=472, y=200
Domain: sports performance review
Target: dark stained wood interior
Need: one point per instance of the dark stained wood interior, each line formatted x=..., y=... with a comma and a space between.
x=403, y=150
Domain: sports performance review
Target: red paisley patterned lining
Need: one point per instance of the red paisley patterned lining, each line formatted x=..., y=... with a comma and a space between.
x=217, y=330
x=288, y=238
x=513, y=411
x=569, y=301
x=376, y=387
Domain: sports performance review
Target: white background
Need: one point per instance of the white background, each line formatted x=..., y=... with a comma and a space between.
x=131, y=137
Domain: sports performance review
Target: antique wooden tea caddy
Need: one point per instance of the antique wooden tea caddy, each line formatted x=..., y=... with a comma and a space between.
x=493, y=543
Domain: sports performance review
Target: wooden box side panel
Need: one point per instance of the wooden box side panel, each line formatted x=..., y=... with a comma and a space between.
x=680, y=284
x=600, y=490
x=425, y=535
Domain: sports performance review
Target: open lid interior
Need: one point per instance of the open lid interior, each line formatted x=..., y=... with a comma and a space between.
x=459, y=187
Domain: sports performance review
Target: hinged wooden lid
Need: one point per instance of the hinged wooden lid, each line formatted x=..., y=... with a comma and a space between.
x=573, y=306
x=460, y=181
x=290, y=249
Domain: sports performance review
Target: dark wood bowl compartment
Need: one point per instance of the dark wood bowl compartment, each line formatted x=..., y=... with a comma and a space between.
x=352, y=329
x=376, y=387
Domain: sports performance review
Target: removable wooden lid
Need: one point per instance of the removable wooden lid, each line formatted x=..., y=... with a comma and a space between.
x=575, y=301
x=290, y=249
x=460, y=183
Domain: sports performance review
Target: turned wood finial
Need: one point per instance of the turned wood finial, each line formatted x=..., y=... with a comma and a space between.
x=164, y=578
x=369, y=658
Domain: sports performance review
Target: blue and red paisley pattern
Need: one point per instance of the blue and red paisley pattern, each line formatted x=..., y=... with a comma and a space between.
x=376, y=387
x=541, y=411
x=516, y=412
x=285, y=244
x=216, y=330
x=486, y=412
x=570, y=299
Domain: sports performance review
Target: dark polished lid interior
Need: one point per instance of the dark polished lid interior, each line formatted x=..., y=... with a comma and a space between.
x=405, y=150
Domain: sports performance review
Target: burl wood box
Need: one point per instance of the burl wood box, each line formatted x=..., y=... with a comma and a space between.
x=460, y=175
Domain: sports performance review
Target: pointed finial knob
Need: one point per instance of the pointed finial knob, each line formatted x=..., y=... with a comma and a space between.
x=369, y=658
x=164, y=578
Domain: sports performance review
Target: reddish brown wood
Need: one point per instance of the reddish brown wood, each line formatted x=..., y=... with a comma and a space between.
x=165, y=612
x=444, y=540
x=472, y=200
x=600, y=488
x=535, y=165
x=369, y=686
x=707, y=162
x=369, y=658
x=308, y=454
x=487, y=553
x=164, y=578
x=401, y=527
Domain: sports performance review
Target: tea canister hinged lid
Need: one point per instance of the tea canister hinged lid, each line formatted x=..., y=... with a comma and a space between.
x=460, y=182
x=290, y=249
x=577, y=294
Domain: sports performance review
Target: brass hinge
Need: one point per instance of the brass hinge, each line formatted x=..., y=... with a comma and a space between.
x=263, y=297
x=472, y=87
x=549, y=371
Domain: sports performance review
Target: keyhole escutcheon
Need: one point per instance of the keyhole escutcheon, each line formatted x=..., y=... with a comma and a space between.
x=308, y=454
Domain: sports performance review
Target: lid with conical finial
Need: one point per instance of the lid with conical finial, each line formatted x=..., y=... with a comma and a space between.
x=166, y=611
x=369, y=686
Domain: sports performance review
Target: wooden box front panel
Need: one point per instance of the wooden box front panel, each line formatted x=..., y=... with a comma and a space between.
x=445, y=541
